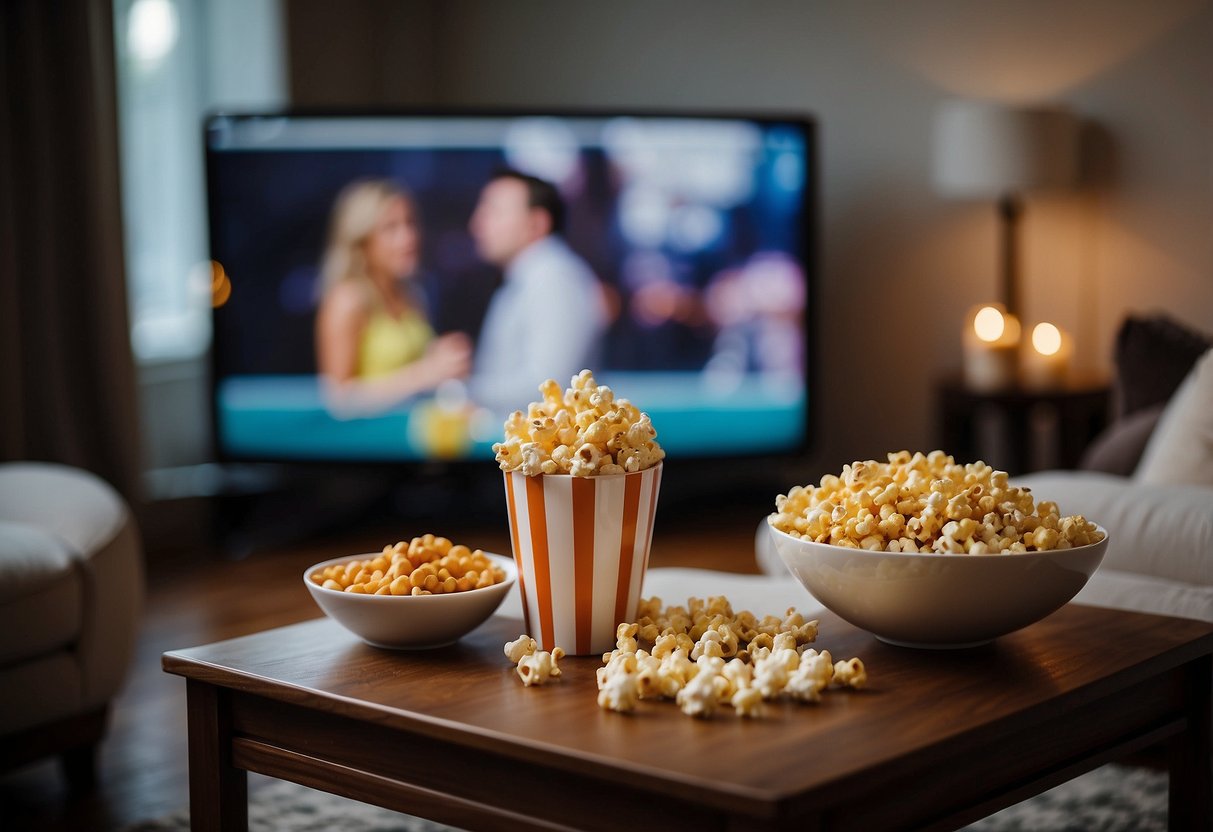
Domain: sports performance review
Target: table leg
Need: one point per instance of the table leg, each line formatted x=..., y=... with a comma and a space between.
x=218, y=790
x=1191, y=805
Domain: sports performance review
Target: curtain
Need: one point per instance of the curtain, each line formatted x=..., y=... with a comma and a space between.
x=67, y=379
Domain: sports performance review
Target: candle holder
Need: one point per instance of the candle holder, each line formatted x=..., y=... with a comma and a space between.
x=991, y=348
x=1046, y=358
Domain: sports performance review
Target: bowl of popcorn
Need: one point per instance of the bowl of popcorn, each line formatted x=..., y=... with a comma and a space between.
x=924, y=552
x=425, y=593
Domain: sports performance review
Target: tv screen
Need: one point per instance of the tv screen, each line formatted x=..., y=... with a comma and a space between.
x=393, y=285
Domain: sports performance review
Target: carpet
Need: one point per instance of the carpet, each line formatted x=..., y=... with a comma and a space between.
x=1109, y=799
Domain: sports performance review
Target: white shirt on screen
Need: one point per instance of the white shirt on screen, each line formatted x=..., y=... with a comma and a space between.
x=546, y=321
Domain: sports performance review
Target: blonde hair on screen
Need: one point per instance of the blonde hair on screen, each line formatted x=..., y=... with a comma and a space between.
x=355, y=214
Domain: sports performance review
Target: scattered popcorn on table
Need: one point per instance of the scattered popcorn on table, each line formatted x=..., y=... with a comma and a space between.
x=620, y=692
x=748, y=703
x=677, y=666
x=739, y=674
x=818, y=665
x=617, y=661
x=770, y=679
x=929, y=504
x=804, y=687
x=663, y=645
x=651, y=682
x=782, y=642
x=524, y=645
x=540, y=667
x=625, y=637
x=851, y=674
x=583, y=431
x=708, y=645
x=700, y=695
x=811, y=676
x=712, y=666
x=704, y=656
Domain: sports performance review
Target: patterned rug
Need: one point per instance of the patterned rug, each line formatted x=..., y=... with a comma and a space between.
x=1109, y=799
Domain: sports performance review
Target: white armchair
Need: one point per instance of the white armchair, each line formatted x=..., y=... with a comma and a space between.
x=71, y=593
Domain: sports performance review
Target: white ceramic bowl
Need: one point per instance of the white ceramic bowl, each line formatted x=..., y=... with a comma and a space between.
x=408, y=622
x=931, y=600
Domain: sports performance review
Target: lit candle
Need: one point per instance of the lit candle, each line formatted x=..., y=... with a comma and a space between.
x=1046, y=360
x=991, y=345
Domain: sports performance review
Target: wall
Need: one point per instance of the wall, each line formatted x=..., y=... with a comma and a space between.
x=365, y=53
x=899, y=265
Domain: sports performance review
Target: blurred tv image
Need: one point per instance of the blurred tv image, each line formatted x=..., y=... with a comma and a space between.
x=401, y=283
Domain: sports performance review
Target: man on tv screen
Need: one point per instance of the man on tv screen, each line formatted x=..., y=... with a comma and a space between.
x=548, y=317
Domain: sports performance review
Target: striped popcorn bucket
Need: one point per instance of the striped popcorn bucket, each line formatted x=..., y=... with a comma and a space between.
x=582, y=547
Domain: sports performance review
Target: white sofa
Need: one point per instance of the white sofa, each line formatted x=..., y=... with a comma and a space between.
x=1160, y=546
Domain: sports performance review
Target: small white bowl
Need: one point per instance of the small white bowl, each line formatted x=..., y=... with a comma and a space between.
x=410, y=622
x=938, y=601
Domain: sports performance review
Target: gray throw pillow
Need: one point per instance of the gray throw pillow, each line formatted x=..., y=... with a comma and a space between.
x=1119, y=448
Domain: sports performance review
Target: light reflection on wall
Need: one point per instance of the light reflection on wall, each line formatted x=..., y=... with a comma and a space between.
x=999, y=49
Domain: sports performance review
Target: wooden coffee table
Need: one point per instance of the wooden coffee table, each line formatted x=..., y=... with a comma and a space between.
x=940, y=738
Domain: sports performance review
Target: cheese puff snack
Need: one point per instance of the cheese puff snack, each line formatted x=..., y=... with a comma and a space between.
x=426, y=565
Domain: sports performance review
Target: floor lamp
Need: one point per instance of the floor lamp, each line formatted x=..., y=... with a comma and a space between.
x=987, y=150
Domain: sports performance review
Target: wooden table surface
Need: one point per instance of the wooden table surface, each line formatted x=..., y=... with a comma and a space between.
x=951, y=735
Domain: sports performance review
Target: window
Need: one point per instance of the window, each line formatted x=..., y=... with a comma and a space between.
x=177, y=60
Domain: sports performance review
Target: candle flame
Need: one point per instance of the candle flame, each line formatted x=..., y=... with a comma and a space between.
x=1046, y=338
x=989, y=324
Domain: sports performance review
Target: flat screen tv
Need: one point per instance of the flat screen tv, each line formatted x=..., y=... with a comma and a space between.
x=392, y=285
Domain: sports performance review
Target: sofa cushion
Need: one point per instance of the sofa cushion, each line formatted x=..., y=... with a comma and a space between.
x=1161, y=530
x=41, y=594
x=1181, y=447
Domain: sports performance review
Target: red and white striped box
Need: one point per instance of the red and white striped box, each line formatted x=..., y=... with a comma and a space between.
x=582, y=547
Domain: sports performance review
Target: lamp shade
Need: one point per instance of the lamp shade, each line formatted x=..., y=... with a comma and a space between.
x=985, y=149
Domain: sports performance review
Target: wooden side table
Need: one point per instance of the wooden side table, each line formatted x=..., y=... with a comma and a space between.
x=1005, y=427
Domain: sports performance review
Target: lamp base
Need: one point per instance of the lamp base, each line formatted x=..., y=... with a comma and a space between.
x=1010, y=210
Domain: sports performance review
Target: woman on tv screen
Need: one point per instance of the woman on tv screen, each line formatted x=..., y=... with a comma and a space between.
x=374, y=345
